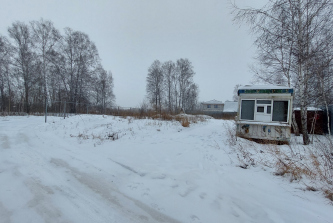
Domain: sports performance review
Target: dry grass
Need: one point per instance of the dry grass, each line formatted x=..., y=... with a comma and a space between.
x=311, y=166
x=185, y=122
x=293, y=170
x=231, y=133
x=329, y=194
x=108, y=136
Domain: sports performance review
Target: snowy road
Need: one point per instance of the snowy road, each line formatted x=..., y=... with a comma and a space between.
x=72, y=171
x=53, y=189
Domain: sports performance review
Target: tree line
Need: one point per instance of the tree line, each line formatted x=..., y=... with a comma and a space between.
x=170, y=86
x=294, y=40
x=40, y=67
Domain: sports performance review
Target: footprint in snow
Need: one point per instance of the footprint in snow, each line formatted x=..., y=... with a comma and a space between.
x=203, y=195
x=195, y=218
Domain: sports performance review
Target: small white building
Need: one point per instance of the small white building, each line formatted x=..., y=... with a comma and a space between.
x=264, y=112
x=212, y=106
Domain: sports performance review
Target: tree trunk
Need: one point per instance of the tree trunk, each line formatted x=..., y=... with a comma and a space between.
x=27, y=107
x=294, y=124
x=328, y=118
x=304, y=119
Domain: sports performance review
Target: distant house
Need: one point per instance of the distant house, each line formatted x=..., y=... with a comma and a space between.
x=213, y=105
x=213, y=108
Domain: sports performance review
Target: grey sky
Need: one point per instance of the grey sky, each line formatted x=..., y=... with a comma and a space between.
x=131, y=34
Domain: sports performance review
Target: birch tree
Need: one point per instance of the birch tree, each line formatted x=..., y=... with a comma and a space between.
x=185, y=79
x=44, y=37
x=169, y=70
x=154, y=85
x=80, y=60
x=191, y=97
x=24, y=58
x=6, y=51
x=38, y=65
x=103, y=87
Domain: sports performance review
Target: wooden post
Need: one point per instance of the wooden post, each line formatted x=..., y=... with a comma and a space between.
x=65, y=110
x=45, y=109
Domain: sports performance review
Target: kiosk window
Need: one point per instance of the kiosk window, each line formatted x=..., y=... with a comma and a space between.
x=247, y=110
x=260, y=109
x=264, y=102
x=269, y=109
x=280, y=111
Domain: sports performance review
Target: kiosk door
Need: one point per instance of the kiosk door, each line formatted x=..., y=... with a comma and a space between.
x=263, y=112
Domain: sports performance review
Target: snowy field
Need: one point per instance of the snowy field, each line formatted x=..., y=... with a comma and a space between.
x=108, y=169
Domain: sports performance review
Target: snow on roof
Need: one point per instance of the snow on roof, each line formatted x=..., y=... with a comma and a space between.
x=260, y=87
x=309, y=109
x=230, y=106
x=265, y=89
x=213, y=102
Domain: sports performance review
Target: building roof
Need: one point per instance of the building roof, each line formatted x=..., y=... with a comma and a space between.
x=230, y=106
x=213, y=102
x=262, y=87
x=309, y=109
x=265, y=89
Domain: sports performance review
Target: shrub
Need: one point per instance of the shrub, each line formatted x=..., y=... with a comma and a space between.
x=185, y=122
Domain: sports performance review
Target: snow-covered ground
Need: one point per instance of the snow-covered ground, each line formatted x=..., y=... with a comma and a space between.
x=108, y=169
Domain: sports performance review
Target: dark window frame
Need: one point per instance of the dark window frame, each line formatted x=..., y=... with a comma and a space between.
x=281, y=118
x=263, y=102
x=270, y=109
x=245, y=116
x=261, y=109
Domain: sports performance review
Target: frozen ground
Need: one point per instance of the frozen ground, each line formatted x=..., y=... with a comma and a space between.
x=108, y=169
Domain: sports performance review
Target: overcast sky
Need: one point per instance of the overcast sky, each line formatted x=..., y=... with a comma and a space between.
x=131, y=34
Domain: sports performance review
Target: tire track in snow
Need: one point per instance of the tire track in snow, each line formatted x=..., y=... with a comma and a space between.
x=129, y=168
x=4, y=214
x=5, y=144
x=41, y=201
x=118, y=199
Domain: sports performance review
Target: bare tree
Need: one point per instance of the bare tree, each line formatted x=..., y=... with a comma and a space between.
x=6, y=51
x=173, y=85
x=185, y=80
x=40, y=66
x=44, y=37
x=321, y=82
x=80, y=57
x=235, y=93
x=104, y=96
x=191, y=97
x=169, y=69
x=155, y=86
x=24, y=58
